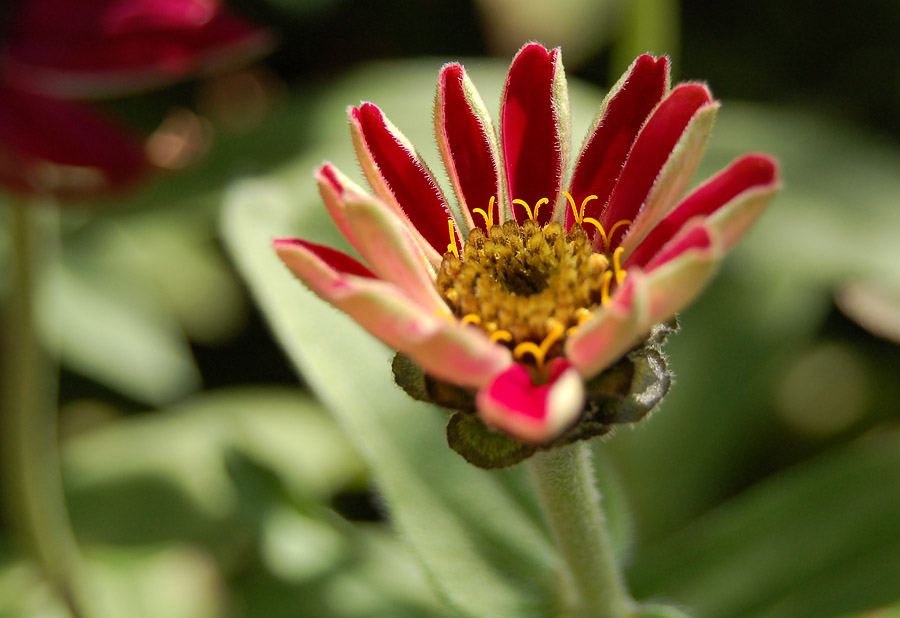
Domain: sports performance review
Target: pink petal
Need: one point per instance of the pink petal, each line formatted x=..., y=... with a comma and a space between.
x=336, y=260
x=667, y=247
x=679, y=272
x=750, y=173
x=442, y=347
x=612, y=331
x=399, y=176
x=618, y=122
x=51, y=145
x=392, y=252
x=529, y=412
x=466, y=140
x=530, y=132
x=333, y=187
x=694, y=238
x=101, y=46
x=650, y=152
x=674, y=178
x=747, y=173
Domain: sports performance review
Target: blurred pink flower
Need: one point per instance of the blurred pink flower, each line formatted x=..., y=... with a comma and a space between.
x=526, y=290
x=96, y=47
x=59, y=49
x=59, y=147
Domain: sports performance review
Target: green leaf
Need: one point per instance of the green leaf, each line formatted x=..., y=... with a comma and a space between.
x=155, y=477
x=101, y=331
x=817, y=541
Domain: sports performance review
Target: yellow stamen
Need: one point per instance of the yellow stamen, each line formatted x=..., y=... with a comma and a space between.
x=607, y=237
x=501, y=335
x=579, y=213
x=471, y=318
x=540, y=202
x=613, y=229
x=583, y=315
x=539, y=352
x=617, y=265
x=527, y=207
x=604, y=291
x=452, y=245
x=574, y=208
x=489, y=215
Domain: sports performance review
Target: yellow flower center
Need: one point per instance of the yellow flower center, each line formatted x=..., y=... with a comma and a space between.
x=528, y=286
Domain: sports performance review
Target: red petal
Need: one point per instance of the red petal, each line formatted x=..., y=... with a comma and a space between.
x=338, y=260
x=650, y=152
x=529, y=133
x=696, y=238
x=746, y=173
x=407, y=178
x=471, y=161
x=600, y=163
x=59, y=46
x=39, y=132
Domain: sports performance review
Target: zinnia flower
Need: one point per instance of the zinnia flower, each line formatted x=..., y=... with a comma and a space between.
x=525, y=295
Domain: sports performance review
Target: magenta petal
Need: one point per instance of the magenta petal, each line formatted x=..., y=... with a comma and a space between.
x=467, y=146
x=604, y=153
x=529, y=412
x=650, y=152
x=102, y=46
x=747, y=173
x=338, y=260
x=697, y=237
x=400, y=172
x=56, y=146
x=529, y=131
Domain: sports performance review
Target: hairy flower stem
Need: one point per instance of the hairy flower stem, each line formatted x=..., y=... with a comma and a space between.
x=33, y=492
x=564, y=478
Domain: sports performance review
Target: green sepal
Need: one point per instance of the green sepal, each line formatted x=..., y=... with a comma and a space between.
x=482, y=446
x=422, y=387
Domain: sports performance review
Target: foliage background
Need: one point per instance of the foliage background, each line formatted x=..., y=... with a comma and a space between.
x=203, y=481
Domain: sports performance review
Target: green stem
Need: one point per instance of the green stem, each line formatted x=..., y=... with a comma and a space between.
x=34, y=492
x=564, y=478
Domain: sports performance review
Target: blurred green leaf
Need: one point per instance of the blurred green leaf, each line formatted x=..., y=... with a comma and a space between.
x=101, y=331
x=817, y=541
x=160, y=476
x=163, y=582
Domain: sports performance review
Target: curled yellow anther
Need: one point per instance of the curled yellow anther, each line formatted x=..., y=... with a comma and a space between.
x=606, y=236
x=604, y=291
x=527, y=207
x=617, y=264
x=540, y=202
x=613, y=229
x=471, y=318
x=579, y=213
x=574, y=207
x=539, y=352
x=452, y=245
x=489, y=215
x=501, y=335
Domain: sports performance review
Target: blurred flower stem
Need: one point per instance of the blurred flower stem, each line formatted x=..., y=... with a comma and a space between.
x=33, y=496
x=564, y=478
